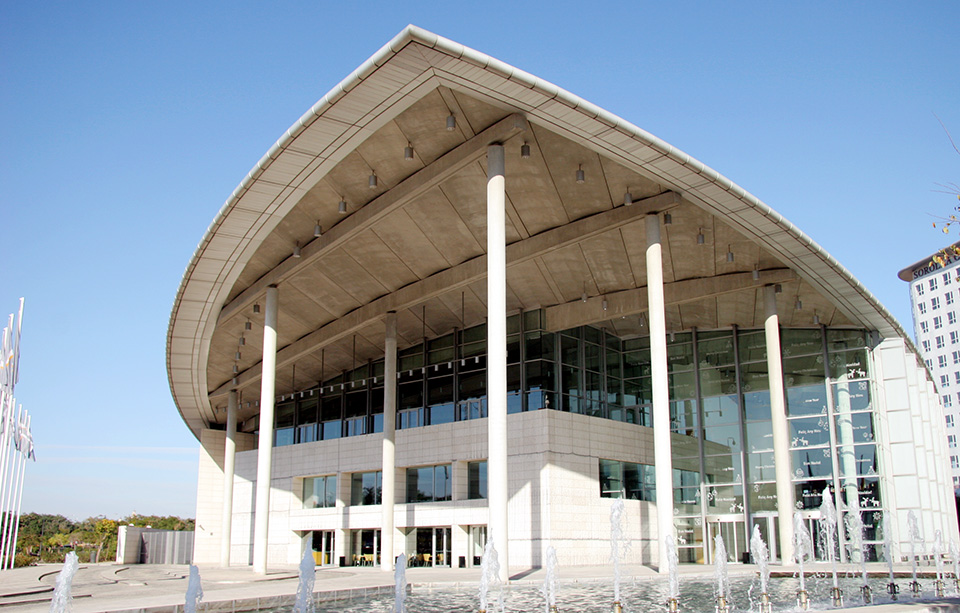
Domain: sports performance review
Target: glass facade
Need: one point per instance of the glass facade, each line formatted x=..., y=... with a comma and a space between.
x=722, y=444
x=320, y=492
x=365, y=488
x=429, y=484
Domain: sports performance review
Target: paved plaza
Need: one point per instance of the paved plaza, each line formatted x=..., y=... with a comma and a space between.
x=99, y=588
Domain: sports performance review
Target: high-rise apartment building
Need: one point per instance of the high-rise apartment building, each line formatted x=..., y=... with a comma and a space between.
x=935, y=301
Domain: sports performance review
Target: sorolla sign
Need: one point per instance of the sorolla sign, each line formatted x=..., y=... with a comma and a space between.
x=934, y=267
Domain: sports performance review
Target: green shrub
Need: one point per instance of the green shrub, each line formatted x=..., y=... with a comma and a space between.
x=23, y=559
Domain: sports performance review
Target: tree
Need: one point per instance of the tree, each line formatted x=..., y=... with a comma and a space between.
x=943, y=256
x=106, y=531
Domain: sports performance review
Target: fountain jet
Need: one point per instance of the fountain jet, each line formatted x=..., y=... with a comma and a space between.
x=549, y=589
x=194, y=590
x=828, y=538
x=892, y=588
x=802, y=549
x=673, y=587
x=400, y=584
x=914, y=532
x=761, y=557
x=60, y=603
x=720, y=575
x=308, y=575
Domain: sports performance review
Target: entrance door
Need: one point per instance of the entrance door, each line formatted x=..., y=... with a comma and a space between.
x=322, y=544
x=478, y=540
x=733, y=531
x=366, y=547
x=433, y=547
x=769, y=532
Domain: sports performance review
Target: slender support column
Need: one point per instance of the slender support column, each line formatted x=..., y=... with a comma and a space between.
x=389, y=467
x=778, y=418
x=265, y=450
x=498, y=492
x=229, y=461
x=663, y=459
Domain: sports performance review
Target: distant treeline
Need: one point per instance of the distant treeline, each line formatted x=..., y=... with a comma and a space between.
x=48, y=538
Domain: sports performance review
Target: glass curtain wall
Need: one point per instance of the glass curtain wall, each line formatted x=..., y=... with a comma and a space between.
x=719, y=411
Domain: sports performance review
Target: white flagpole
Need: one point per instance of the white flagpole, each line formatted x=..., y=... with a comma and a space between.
x=23, y=469
x=16, y=347
x=5, y=443
x=6, y=502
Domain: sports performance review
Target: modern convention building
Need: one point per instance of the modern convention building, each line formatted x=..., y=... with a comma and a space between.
x=456, y=303
x=935, y=301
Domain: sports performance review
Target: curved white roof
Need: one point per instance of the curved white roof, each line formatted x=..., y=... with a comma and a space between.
x=351, y=128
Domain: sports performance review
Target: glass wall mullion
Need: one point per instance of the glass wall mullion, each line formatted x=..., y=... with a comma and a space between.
x=702, y=434
x=743, y=433
x=834, y=452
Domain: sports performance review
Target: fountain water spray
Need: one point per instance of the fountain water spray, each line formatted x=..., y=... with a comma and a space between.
x=828, y=537
x=549, y=588
x=618, y=547
x=914, y=532
x=400, y=583
x=761, y=557
x=857, y=547
x=802, y=549
x=673, y=587
x=194, y=591
x=62, y=599
x=938, y=558
x=720, y=575
x=308, y=575
x=489, y=576
x=892, y=588
x=955, y=556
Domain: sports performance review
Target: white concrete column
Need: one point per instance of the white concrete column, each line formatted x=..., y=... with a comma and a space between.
x=778, y=418
x=265, y=450
x=229, y=461
x=497, y=486
x=389, y=466
x=662, y=453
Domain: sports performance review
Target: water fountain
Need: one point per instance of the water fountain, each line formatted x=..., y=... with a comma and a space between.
x=617, y=549
x=673, y=563
x=955, y=556
x=720, y=575
x=761, y=557
x=892, y=588
x=828, y=538
x=62, y=599
x=856, y=546
x=400, y=583
x=802, y=549
x=308, y=575
x=938, y=558
x=194, y=591
x=549, y=589
x=489, y=576
x=914, y=533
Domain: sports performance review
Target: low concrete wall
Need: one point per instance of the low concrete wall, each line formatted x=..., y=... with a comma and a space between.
x=151, y=546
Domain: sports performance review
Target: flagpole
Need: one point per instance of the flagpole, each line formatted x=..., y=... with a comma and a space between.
x=6, y=427
x=12, y=554
x=7, y=501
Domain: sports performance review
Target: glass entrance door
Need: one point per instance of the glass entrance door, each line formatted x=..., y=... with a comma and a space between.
x=366, y=547
x=433, y=547
x=478, y=540
x=769, y=531
x=322, y=544
x=734, y=534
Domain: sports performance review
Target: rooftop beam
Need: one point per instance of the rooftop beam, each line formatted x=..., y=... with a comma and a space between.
x=454, y=278
x=634, y=301
x=410, y=188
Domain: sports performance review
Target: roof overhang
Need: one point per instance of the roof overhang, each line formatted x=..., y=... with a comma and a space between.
x=413, y=64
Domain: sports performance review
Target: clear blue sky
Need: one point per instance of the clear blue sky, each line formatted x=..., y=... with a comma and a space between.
x=126, y=125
